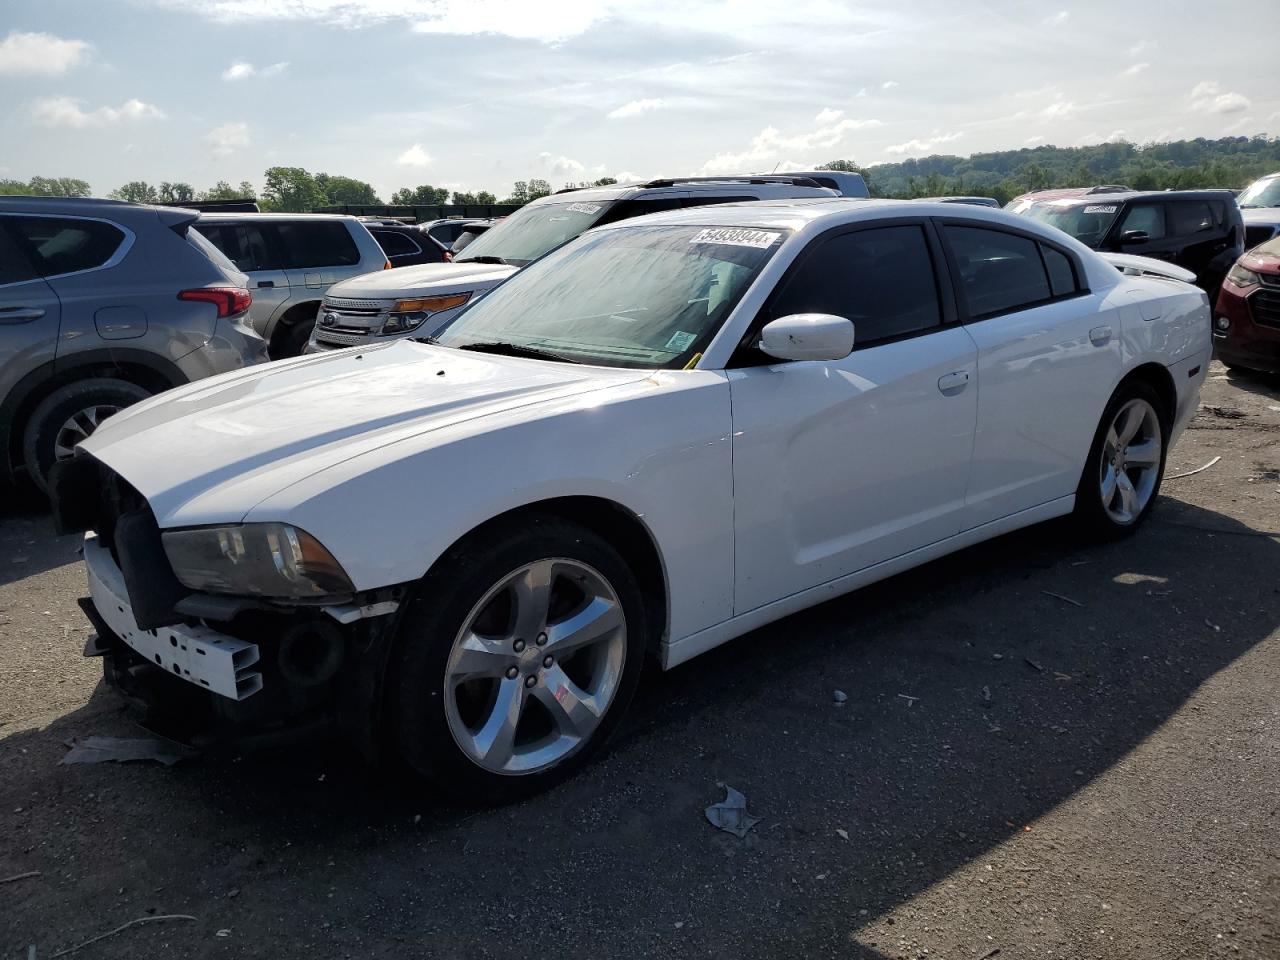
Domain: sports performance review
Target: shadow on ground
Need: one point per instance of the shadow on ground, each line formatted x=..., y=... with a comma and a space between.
x=983, y=691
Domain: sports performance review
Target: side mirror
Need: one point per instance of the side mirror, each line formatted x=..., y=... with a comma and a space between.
x=808, y=336
x=1134, y=236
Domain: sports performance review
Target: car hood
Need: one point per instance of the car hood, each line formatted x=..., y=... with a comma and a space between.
x=212, y=450
x=423, y=279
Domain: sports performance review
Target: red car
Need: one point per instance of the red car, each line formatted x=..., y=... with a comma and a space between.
x=1246, y=322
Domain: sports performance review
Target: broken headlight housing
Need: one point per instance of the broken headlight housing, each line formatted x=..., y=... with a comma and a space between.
x=255, y=559
x=409, y=315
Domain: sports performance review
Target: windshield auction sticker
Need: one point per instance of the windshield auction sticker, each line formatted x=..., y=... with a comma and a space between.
x=737, y=237
x=1100, y=208
x=583, y=208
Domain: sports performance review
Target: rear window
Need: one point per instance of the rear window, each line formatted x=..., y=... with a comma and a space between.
x=1191, y=217
x=320, y=243
x=14, y=265
x=999, y=271
x=60, y=246
x=245, y=245
x=395, y=244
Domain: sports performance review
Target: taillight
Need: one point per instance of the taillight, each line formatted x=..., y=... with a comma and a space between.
x=448, y=256
x=387, y=265
x=228, y=300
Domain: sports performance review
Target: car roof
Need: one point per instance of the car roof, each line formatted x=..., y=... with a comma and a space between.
x=1139, y=195
x=676, y=184
x=225, y=217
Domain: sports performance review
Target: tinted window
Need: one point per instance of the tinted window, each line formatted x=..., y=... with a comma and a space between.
x=1147, y=217
x=881, y=279
x=321, y=243
x=446, y=233
x=395, y=244
x=1191, y=217
x=245, y=245
x=1062, y=279
x=627, y=209
x=998, y=271
x=705, y=201
x=14, y=265
x=65, y=246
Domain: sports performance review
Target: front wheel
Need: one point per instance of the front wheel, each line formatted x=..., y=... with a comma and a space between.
x=517, y=659
x=1122, y=476
x=69, y=415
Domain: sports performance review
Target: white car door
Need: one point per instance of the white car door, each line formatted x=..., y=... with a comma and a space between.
x=838, y=465
x=1048, y=358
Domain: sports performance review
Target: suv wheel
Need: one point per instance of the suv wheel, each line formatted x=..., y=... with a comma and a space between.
x=67, y=416
x=292, y=340
x=518, y=657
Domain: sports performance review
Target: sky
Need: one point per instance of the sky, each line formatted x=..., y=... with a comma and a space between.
x=475, y=94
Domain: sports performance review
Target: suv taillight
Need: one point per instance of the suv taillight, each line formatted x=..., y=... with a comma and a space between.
x=448, y=256
x=228, y=300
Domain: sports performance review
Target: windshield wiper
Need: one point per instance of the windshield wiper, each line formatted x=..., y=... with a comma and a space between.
x=505, y=349
x=483, y=259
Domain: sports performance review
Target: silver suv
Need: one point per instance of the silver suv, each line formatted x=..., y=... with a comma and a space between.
x=418, y=301
x=291, y=260
x=103, y=304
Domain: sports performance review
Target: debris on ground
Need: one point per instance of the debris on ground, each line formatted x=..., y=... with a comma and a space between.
x=1032, y=663
x=986, y=694
x=910, y=700
x=842, y=833
x=123, y=926
x=730, y=814
x=1179, y=476
x=21, y=876
x=839, y=697
x=1058, y=596
x=1210, y=623
x=123, y=750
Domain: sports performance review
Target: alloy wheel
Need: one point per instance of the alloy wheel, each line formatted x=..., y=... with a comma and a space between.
x=535, y=666
x=1130, y=463
x=79, y=426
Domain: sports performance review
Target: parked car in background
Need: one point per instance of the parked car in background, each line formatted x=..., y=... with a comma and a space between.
x=418, y=301
x=846, y=184
x=975, y=201
x=1022, y=202
x=447, y=231
x=103, y=304
x=1260, y=205
x=658, y=437
x=291, y=260
x=1246, y=324
x=1199, y=230
x=474, y=230
x=407, y=246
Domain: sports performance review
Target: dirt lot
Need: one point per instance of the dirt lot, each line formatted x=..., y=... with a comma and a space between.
x=1048, y=750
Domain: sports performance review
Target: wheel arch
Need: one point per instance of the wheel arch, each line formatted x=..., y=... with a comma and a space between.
x=289, y=317
x=1158, y=377
x=143, y=369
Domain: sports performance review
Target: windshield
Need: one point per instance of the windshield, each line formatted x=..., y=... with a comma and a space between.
x=638, y=296
x=534, y=229
x=1261, y=193
x=1087, y=222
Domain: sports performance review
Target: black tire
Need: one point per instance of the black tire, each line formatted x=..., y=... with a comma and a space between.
x=435, y=614
x=40, y=436
x=291, y=340
x=1095, y=522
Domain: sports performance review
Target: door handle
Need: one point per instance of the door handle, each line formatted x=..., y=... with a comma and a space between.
x=20, y=314
x=266, y=284
x=952, y=383
x=1100, y=336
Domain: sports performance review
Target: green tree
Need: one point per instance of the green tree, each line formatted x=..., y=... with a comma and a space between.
x=225, y=191
x=346, y=190
x=14, y=188
x=58, y=187
x=292, y=189
x=424, y=195
x=175, y=192
x=136, y=191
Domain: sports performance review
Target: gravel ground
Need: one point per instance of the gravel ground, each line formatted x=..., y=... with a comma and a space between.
x=1048, y=750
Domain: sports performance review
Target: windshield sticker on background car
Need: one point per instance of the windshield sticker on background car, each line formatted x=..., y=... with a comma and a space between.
x=583, y=207
x=1101, y=208
x=737, y=237
x=680, y=341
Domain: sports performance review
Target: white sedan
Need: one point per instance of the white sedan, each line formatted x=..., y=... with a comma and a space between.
x=661, y=436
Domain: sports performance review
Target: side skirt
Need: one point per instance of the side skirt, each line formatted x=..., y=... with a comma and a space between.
x=686, y=648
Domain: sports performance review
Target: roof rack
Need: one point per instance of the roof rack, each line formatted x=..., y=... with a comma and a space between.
x=1111, y=188
x=750, y=178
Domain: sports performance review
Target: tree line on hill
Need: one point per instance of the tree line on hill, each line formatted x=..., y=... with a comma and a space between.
x=1230, y=162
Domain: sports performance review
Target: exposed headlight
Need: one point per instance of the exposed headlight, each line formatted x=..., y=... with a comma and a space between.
x=257, y=559
x=408, y=315
x=1242, y=277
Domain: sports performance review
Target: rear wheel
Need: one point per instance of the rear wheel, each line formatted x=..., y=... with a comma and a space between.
x=1122, y=476
x=69, y=415
x=517, y=660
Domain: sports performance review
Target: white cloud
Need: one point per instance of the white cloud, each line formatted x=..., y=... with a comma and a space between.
x=1093, y=136
x=1142, y=46
x=636, y=107
x=1058, y=110
x=626, y=176
x=40, y=53
x=512, y=18
x=1134, y=69
x=561, y=166
x=1209, y=97
x=415, y=156
x=889, y=85
x=67, y=112
x=1032, y=141
x=1058, y=18
x=240, y=70
x=228, y=138
x=771, y=148
x=928, y=145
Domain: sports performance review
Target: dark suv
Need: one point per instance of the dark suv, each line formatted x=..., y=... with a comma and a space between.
x=1199, y=230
